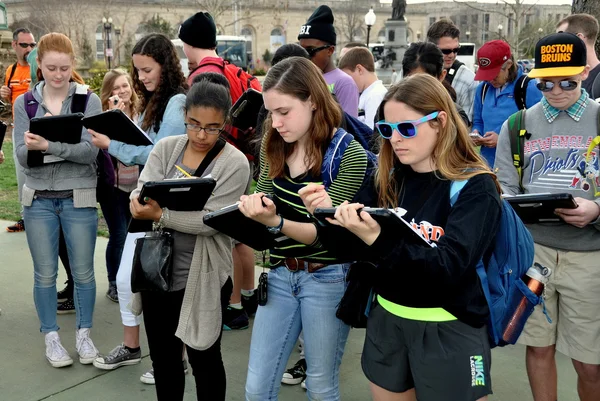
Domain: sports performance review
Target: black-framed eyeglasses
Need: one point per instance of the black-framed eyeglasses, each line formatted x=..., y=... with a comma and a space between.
x=448, y=51
x=566, y=85
x=314, y=50
x=208, y=130
x=26, y=45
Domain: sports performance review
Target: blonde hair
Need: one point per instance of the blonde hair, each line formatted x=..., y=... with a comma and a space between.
x=60, y=43
x=108, y=84
x=453, y=154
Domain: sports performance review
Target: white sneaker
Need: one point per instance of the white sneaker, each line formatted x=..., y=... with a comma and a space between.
x=56, y=354
x=85, y=347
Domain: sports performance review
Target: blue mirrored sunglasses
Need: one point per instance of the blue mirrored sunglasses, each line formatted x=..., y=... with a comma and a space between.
x=407, y=129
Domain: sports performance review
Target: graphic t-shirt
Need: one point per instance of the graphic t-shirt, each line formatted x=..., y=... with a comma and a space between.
x=344, y=88
x=20, y=80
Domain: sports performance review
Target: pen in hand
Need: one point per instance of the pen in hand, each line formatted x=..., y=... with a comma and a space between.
x=183, y=171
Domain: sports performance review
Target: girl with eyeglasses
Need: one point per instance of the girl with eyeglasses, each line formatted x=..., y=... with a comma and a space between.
x=306, y=282
x=190, y=313
x=426, y=336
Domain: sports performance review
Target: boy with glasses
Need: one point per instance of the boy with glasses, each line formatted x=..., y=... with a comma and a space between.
x=558, y=158
x=16, y=82
x=318, y=37
x=445, y=35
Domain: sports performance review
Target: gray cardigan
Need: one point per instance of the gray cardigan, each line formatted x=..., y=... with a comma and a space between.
x=200, y=319
x=77, y=172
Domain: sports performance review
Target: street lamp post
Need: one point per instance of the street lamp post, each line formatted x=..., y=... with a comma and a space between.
x=418, y=36
x=370, y=19
x=500, y=27
x=468, y=33
x=107, y=28
x=118, y=37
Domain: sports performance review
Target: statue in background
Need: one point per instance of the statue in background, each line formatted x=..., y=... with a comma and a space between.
x=398, y=10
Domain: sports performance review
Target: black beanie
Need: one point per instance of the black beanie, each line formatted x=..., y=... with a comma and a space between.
x=199, y=31
x=319, y=26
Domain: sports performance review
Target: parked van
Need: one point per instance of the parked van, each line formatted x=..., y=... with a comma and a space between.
x=467, y=55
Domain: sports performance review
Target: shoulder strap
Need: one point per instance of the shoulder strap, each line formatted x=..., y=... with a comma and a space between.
x=210, y=156
x=12, y=73
x=204, y=62
x=520, y=93
x=31, y=104
x=484, y=90
x=455, y=189
x=80, y=99
x=517, y=133
x=453, y=71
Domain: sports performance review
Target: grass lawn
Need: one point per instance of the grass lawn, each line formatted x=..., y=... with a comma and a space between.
x=10, y=208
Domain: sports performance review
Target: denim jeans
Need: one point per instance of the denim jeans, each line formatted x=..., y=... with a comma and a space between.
x=115, y=208
x=299, y=301
x=43, y=220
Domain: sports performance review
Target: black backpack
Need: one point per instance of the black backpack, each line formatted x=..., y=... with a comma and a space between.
x=520, y=93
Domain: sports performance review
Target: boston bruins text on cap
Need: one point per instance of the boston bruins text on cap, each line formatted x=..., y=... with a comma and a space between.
x=560, y=54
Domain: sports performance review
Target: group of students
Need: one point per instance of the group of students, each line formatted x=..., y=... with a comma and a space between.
x=429, y=317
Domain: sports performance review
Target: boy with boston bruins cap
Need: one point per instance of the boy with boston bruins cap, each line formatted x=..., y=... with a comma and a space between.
x=318, y=37
x=559, y=156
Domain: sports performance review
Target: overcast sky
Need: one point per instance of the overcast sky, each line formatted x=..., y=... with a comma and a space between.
x=554, y=2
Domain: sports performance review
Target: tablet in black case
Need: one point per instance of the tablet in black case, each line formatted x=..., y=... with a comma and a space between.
x=183, y=194
x=116, y=125
x=64, y=128
x=539, y=208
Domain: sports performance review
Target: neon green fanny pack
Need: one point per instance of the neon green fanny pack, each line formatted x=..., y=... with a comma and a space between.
x=423, y=314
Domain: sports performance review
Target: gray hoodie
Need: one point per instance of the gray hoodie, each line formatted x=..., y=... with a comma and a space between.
x=77, y=172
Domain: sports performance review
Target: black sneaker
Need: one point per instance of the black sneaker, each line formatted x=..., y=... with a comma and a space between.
x=235, y=319
x=112, y=293
x=65, y=293
x=119, y=356
x=295, y=374
x=18, y=227
x=66, y=307
x=250, y=304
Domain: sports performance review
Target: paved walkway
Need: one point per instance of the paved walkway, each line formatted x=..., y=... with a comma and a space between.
x=26, y=376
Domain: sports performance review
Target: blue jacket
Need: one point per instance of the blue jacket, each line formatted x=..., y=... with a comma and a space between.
x=171, y=124
x=491, y=115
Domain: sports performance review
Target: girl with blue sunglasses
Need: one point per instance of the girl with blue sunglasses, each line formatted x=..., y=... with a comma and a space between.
x=426, y=336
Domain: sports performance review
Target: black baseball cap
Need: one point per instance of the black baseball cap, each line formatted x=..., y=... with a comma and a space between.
x=560, y=54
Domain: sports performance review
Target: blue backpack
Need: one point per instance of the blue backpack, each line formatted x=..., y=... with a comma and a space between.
x=359, y=130
x=334, y=154
x=500, y=278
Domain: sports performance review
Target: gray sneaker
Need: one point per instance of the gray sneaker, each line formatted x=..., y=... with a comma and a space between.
x=119, y=356
x=112, y=293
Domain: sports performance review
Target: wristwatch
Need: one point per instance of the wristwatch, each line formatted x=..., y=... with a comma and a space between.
x=276, y=229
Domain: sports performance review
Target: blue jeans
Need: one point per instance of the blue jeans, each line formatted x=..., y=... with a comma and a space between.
x=299, y=301
x=43, y=220
x=115, y=208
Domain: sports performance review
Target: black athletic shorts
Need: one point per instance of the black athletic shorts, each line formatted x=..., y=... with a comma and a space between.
x=446, y=361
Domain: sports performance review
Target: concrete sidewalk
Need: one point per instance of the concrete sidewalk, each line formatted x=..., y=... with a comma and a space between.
x=25, y=375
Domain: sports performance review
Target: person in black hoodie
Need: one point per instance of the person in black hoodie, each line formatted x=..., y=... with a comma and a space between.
x=426, y=336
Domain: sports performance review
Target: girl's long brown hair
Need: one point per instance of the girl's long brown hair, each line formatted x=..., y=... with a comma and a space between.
x=60, y=43
x=454, y=155
x=300, y=78
x=108, y=84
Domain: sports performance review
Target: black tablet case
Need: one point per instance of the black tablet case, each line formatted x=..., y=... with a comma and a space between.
x=65, y=128
x=539, y=208
x=116, y=125
x=244, y=112
x=182, y=194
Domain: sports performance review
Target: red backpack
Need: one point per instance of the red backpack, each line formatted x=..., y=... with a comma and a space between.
x=239, y=82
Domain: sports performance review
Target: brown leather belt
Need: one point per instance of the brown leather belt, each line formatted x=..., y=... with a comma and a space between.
x=295, y=264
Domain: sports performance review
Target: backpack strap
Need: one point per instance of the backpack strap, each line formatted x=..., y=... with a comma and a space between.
x=484, y=90
x=595, y=142
x=520, y=94
x=12, y=74
x=517, y=134
x=452, y=71
x=455, y=189
x=333, y=156
x=80, y=99
x=31, y=104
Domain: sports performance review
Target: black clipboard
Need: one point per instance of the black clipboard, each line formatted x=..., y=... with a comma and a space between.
x=3, y=128
x=390, y=218
x=116, y=125
x=64, y=128
x=244, y=112
x=182, y=194
x=539, y=208
x=230, y=221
